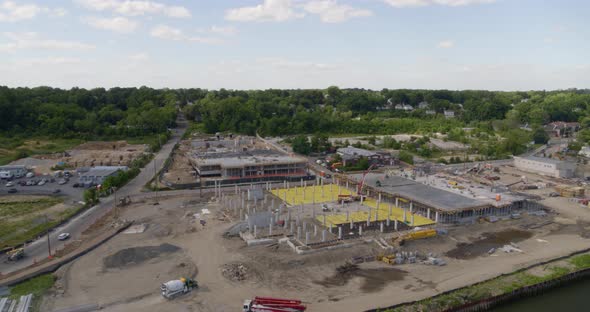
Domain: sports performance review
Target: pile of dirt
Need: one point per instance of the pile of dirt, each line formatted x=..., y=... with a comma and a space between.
x=347, y=268
x=235, y=271
x=137, y=255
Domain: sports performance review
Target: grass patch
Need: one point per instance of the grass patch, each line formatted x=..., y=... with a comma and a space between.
x=581, y=262
x=16, y=148
x=10, y=208
x=493, y=287
x=14, y=233
x=37, y=286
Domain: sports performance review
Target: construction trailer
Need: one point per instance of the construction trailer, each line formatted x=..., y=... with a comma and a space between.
x=267, y=304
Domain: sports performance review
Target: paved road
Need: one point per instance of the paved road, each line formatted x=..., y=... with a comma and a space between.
x=38, y=249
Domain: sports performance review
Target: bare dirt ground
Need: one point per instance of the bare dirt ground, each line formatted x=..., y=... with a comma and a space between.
x=143, y=261
x=181, y=170
x=116, y=153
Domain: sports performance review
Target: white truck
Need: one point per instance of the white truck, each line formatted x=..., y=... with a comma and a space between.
x=6, y=175
x=174, y=288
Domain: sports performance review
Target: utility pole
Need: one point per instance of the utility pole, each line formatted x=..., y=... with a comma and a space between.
x=48, y=241
x=156, y=181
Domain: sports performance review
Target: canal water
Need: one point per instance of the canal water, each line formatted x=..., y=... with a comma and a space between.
x=569, y=298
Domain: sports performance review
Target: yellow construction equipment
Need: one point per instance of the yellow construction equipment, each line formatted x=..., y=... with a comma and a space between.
x=389, y=259
x=420, y=234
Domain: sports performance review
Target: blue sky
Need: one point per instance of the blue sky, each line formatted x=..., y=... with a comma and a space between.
x=259, y=44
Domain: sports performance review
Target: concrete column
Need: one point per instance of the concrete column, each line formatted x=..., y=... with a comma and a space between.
x=351, y=224
x=379, y=200
x=397, y=201
x=291, y=227
x=360, y=230
x=236, y=189
x=369, y=218
x=405, y=217
x=255, y=230
x=339, y=232
x=304, y=226
x=248, y=194
x=390, y=208
x=315, y=230
x=428, y=213
x=436, y=216
x=395, y=224
x=248, y=208
x=241, y=214
x=378, y=203
x=298, y=232
x=376, y=215
x=306, y=238
x=270, y=229
x=362, y=198
x=381, y=227
x=301, y=184
x=284, y=184
x=411, y=207
x=346, y=183
x=412, y=219
x=331, y=225
x=255, y=201
x=388, y=220
x=323, y=235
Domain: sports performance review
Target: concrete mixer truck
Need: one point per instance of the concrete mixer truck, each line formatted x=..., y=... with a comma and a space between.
x=174, y=288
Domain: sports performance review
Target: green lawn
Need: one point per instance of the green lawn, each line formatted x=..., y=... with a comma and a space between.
x=37, y=286
x=16, y=148
x=10, y=207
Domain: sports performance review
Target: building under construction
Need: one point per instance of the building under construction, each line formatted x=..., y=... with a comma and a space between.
x=437, y=204
x=244, y=160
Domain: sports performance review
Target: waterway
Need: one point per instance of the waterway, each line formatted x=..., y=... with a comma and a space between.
x=571, y=298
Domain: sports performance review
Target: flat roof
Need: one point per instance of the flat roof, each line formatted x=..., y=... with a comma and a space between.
x=350, y=150
x=13, y=167
x=425, y=194
x=242, y=160
x=542, y=159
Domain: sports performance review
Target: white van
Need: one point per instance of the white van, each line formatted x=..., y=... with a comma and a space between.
x=6, y=175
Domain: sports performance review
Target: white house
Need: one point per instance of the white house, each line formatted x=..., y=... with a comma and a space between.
x=11, y=171
x=449, y=114
x=545, y=166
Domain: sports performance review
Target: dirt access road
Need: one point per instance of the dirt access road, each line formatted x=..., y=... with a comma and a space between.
x=38, y=249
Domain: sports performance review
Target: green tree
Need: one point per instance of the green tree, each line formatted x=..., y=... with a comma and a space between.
x=540, y=136
x=301, y=145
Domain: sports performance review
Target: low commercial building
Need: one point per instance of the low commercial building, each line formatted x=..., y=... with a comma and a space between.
x=12, y=171
x=351, y=155
x=97, y=175
x=546, y=166
x=562, y=129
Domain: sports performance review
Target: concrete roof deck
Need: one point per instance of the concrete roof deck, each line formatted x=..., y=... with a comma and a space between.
x=425, y=194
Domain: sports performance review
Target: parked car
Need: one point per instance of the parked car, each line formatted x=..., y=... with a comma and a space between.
x=63, y=236
x=12, y=190
x=62, y=181
x=42, y=182
x=76, y=184
x=56, y=191
x=31, y=182
x=30, y=174
x=9, y=184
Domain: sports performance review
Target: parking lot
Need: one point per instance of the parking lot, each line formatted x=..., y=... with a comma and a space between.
x=51, y=187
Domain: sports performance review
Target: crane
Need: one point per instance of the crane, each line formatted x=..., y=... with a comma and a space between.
x=362, y=182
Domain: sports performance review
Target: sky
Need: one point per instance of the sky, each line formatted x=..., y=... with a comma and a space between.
x=261, y=44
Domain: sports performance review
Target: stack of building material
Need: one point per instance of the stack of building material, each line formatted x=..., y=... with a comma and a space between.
x=570, y=191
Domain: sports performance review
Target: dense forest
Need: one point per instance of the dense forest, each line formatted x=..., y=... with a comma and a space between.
x=132, y=112
x=86, y=114
x=334, y=110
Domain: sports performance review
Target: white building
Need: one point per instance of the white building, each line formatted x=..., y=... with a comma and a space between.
x=449, y=114
x=98, y=174
x=12, y=171
x=545, y=166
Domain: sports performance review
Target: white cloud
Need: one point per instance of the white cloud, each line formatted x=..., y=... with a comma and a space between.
x=30, y=40
x=10, y=11
x=446, y=44
x=419, y=3
x=268, y=11
x=332, y=12
x=170, y=33
x=223, y=30
x=136, y=7
x=117, y=24
x=47, y=61
x=140, y=57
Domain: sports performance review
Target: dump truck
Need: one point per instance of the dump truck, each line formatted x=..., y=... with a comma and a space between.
x=16, y=254
x=267, y=304
x=174, y=288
